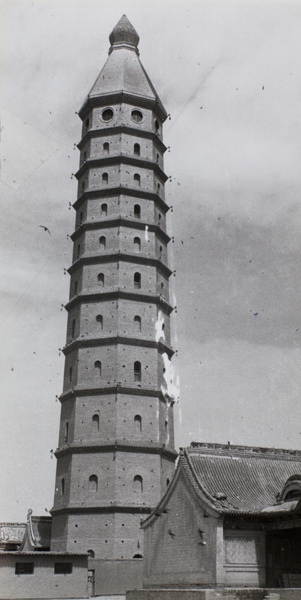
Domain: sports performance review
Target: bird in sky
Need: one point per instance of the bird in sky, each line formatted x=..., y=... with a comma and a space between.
x=45, y=228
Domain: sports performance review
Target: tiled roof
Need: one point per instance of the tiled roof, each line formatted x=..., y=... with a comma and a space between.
x=38, y=533
x=239, y=479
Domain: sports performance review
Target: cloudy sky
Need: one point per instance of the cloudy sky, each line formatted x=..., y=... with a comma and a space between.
x=229, y=75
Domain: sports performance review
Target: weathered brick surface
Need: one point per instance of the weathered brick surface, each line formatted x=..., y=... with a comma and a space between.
x=116, y=428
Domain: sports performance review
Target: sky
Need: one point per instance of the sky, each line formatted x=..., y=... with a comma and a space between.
x=229, y=75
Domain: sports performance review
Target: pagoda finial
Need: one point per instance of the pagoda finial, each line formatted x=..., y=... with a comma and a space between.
x=124, y=33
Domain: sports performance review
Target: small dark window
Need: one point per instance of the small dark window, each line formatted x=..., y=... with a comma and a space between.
x=81, y=216
x=106, y=147
x=137, y=116
x=137, y=323
x=62, y=486
x=102, y=242
x=73, y=328
x=70, y=374
x=101, y=279
x=104, y=209
x=95, y=422
x=93, y=483
x=62, y=568
x=91, y=553
x=138, y=484
x=137, y=178
x=167, y=482
x=66, y=431
x=24, y=568
x=97, y=366
x=137, y=243
x=157, y=126
x=87, y=123
x=137, y=281
x=137, y=370
x=157, y=157
x=137, y=556
x=75, y=287
x=162, y=285
x=137, y=211
x=83, y=185
x=107, y=114
x=99, y=320
x=137, y=149
x=78, y=251
x=105, y=178
x=158, y=188
x=138, y=423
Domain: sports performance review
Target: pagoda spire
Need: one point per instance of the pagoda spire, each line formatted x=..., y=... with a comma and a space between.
x=124, y=34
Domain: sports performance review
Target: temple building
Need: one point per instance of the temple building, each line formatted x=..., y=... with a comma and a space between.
x=230, y=518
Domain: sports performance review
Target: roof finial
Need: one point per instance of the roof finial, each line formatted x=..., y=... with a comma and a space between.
x=124, y=33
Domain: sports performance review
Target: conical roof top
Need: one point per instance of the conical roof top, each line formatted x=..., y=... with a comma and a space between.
x=123, y=71
x=124, y=33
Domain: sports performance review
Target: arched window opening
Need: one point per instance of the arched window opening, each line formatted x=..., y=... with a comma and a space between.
x=70, y=374
x=95, y=422
x=157, y=126
x=137, y=323
x=159, y=215
x=166, y=425
x=138, y=423
x=137, y=243
x=66, y=431
x=157, y=157
x=104, y=209
x=102, y=242
x=73, y=328
x=87, y=123
x=137, y=281
x=91, y=553
x=162, y=285
x=137, y=556
x=99, y=320
x=158, y=187
x=62, y=486
x=101, y=279
x=137, y=116
x=97, y=366
x=138, y=484
x=163, y=326
x=106, y=147
x=137, y=149
x=137, y=178
x=105, y=178
x=75, y=287
x=93, y=483
x=167, y=482
x=137, y=211
x=137, y=370
x=78, y=251
x=81, y=217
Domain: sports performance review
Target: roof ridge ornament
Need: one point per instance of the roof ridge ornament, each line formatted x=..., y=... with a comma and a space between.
x=124, y=34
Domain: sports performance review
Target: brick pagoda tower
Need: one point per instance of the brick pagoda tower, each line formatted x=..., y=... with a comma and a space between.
x=116, y=443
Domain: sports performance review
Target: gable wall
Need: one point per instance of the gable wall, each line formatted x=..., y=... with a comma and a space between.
x=180, y=559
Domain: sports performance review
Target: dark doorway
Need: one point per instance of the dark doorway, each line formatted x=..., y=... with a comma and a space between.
x=283, y=558
x=91, y=582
